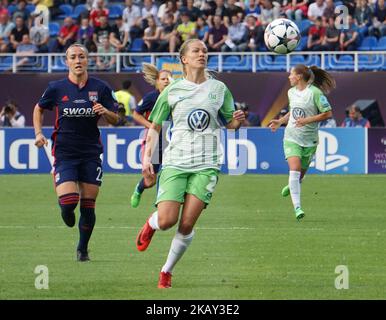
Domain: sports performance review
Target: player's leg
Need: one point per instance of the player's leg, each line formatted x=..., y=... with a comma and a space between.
x=144, y=183
x=285, y=192
x=170, y=195
x=65, y=177
x=199, y=193
x=90, y=179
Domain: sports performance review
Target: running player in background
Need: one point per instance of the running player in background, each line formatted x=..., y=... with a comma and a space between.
x=308, y=106
x=197, y=105
x=79, y=102
x=160, y=80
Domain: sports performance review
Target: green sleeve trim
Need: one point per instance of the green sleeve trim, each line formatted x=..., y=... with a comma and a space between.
x=228, y=106
x=161, y=110
x=320, y=100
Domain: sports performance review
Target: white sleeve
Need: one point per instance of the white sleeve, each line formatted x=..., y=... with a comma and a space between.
x=132, y=103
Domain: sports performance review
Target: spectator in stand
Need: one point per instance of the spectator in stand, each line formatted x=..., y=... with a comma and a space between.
x=379, y=19
x=96, y=14
x=253, y=8
x=349, y=38
x=355, y=118
x=170, y=6
x=328, y=123
x=120, y=35
x=255, y=36
x=6, y=28
x=24, y=50
x=126, y=98
x=51, y=5
x=316, y=10
x=21, y=11
x=67, y=35
x=3, y=9
x=234, y=8
x=329, y=12
x=350, y=5
x=193, y=11
x=85, y=35
x=363, y=17
x=17, y=34
x=102, y=32
x=222, y=10
x=316, y=35
x=269, y=12
x=41, y=8
x=217, y=34
x=149, y=8
x=10, y=117
x=296, y=9
x=251, y=119
x=168, y=37
x=186, y=29
x=331, y=40
x=152, y=34
x=40, y=35
x=106, y=61
x=133, y=20
x=202, y=30
x=237, y=36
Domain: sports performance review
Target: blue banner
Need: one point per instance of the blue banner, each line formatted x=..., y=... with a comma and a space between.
x=249, y=150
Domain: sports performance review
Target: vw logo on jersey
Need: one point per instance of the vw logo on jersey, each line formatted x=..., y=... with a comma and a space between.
x=198, y=120
x=298, y=113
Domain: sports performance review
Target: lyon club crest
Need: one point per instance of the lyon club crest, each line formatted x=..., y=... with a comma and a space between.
x=93, y=96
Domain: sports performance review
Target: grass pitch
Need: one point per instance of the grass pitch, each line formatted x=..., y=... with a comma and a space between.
x=248, y=244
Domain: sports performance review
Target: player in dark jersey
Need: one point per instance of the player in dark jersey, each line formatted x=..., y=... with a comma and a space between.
x=79, y=101
x=160, y=80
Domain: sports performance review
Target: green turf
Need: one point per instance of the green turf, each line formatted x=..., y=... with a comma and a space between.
x=248, y=244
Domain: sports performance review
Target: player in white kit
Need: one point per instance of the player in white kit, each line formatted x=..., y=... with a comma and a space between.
x=308, y=106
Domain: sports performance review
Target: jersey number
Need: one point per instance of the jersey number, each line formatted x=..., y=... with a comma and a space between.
x=99, y=176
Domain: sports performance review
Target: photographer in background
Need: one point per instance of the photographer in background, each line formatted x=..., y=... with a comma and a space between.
x=251, y=119
x=10, y=117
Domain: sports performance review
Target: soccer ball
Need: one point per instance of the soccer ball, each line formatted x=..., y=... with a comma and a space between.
x=282, y=36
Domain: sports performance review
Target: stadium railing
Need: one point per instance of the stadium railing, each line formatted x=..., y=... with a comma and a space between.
x=221, y=62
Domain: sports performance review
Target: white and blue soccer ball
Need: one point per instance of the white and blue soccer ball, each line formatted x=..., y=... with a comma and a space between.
x=282, y=36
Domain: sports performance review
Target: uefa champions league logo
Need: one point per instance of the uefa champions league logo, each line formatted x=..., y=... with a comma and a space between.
x=198, y=120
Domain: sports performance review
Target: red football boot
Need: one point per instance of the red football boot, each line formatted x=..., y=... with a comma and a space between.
x=144, y=236
x=165, y=280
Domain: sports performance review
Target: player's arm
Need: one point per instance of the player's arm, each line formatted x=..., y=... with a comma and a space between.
x=276, y=123
x=160, y=113
x=319, y=117
x=110, y=116
x=138, y=117
x=232, y=119
x=323, y=106
x=40, y=139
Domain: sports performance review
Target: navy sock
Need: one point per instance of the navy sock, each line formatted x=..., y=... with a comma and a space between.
x=141, y=186
x=68, y=203
x=86, y=223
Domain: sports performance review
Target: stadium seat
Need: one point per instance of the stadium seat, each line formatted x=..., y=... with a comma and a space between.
x=381, y=45
x=5, y=63
x=302, y=44
x=54, y=28
x=368, y=43
x=296, y=59
x=343, y=62
x=305, y=24
x=370, y=62
x=11, y=9
x=115, y=10
x=30, y=8
x=58, y=64
x=213, y=62
x=237, y=63
x=67, y=10
x=137, y=45
x=78, y=10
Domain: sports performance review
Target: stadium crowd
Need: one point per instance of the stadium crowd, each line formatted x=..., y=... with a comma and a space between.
x=161, y=26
